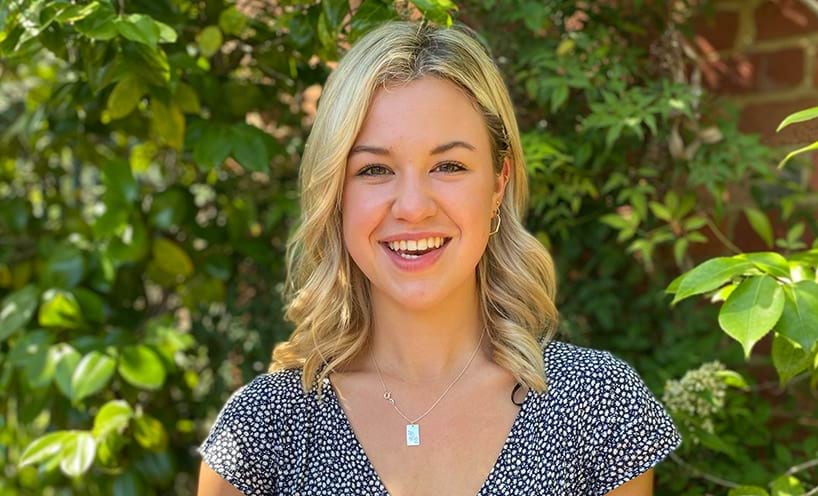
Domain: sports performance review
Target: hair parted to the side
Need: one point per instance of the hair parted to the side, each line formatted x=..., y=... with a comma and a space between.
x=326, y=294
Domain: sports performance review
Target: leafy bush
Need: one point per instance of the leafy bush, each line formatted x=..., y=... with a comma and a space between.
x=148, y=163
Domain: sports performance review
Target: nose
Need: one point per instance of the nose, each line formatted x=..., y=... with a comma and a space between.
x=414, y=200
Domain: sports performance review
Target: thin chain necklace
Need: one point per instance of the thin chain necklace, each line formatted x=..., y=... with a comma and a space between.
x=412, y=427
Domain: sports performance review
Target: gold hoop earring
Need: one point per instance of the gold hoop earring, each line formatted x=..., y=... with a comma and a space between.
x=494, y=231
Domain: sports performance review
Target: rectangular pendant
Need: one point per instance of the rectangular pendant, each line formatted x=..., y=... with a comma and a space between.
x=412, y=435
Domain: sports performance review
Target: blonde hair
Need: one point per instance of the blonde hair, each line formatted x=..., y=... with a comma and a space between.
x=327, y=295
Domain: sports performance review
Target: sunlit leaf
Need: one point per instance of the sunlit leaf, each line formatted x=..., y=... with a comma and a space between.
x=60, y=309
x=799, y=321
x=113, y=416
x=142, y=367
x=760, y=224
x=43, y=448
x=92, y=374
x=78, y=452
x=17, y=309
x=710, y=275
x=752, y=310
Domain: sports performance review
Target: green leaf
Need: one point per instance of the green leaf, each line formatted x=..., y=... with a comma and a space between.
x=769, y=262
x=44, y=448
x=171, y=258
x=149, y=433
x=69, y=359
x=232, y=21
x=747, y=491
x=210, y=40
x=789, y=359
x=76, y=13
x=801, y=116
x=128, y=484
x=787, y=485
x=60, y=309
x=29, y=346
x=17, y=309
x=334, y=12
x=39, y=369
x=166, y=33
x=249, y=148
x=121, y=189
x=140, y=28
x=660, y=211
x=92, y=306
x=170, y=208
x=78, y=452
x=710, y=275
x=760, y=224
x=799, y=322
x=141, y=366
x=64, y=268
x=733, y=379
x=112, y=417
x=213, y=146
x=679, y=250
x=92, y=374
x=187, y=99
x=799, y=151
x=100, y=24
x=168, y=122
x=140, y=159
x=125, y=96
x=752, y=310
x=436, y=10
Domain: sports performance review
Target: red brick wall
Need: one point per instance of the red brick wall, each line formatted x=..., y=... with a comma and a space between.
x=761, y=54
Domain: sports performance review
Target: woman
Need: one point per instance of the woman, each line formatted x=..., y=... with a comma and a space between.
x=422, y=360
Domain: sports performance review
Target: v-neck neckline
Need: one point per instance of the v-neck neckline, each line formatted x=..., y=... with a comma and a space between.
x=373, y=473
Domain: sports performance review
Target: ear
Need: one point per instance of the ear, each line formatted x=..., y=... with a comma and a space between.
x=500, y=182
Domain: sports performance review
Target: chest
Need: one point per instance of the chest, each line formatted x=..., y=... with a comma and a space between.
x=461, y=439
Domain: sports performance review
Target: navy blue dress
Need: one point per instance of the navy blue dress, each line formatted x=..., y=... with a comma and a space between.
x=596, y=427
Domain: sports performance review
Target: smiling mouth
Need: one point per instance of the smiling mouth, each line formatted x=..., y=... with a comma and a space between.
x=413, y=254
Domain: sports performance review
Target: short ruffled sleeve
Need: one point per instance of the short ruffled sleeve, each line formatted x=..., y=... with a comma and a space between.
x=241, y=446
x=631, y=431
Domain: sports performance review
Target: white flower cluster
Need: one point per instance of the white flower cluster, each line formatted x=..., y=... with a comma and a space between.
x=697, y=396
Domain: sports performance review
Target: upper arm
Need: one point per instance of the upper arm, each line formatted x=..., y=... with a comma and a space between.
x=241, y=448
x=641, y=485
x=631, y=432
x=212, y=484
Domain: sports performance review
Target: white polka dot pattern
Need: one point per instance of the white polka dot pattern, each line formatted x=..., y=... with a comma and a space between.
x=596, y=427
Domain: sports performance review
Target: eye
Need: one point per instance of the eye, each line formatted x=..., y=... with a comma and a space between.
x=373, y=170
x=451, y=167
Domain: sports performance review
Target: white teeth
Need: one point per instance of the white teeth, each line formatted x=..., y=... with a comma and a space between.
x=415, y=245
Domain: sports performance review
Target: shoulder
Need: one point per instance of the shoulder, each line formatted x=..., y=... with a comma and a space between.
x=565, y=362
x=265, y=396
x=244, y=443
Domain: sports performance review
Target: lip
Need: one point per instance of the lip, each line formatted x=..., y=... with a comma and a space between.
x=414, y=236
x=421, y=263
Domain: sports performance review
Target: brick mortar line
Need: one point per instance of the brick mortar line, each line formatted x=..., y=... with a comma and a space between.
x=777, y=96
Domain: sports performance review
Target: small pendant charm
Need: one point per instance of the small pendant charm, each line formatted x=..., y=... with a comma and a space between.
x=412, y=435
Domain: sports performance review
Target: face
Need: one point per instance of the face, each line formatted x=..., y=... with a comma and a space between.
x=420, y=168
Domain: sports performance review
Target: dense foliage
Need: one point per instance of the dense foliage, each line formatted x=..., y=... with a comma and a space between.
x=148, y=156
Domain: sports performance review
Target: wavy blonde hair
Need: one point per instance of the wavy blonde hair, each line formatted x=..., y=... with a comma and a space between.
x=327, y=295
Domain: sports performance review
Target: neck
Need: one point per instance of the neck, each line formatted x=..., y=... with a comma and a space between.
x=427, y=345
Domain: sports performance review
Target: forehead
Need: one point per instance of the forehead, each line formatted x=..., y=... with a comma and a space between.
x=428, y=110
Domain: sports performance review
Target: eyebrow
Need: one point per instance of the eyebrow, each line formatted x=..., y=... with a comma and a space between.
x=375, y=150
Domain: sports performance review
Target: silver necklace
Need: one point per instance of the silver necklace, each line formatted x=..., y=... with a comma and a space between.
x=412, y=427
